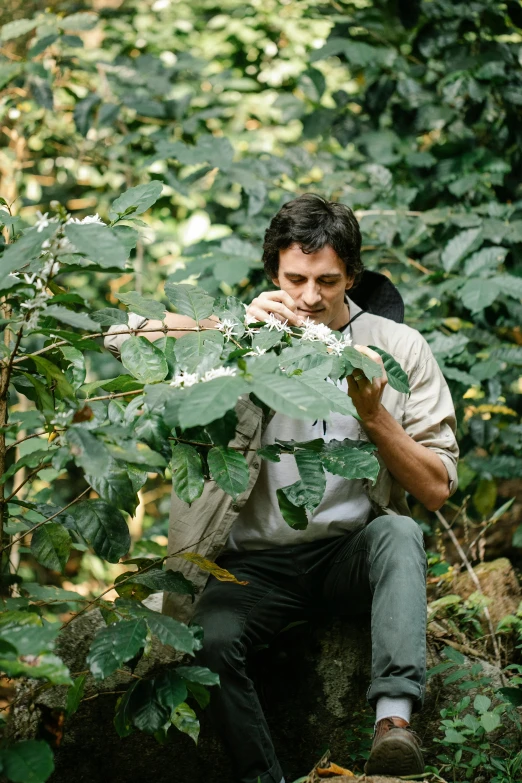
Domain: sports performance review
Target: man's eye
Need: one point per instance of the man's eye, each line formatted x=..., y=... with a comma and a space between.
x=328, y=282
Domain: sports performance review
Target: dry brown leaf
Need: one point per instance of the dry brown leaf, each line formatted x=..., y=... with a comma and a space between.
x=207, y=565
x=332, y=770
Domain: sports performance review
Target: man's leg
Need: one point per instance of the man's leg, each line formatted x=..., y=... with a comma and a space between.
x=384, y=566
x=236, y=618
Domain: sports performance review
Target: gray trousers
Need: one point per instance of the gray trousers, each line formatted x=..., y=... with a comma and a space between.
x=380, y=568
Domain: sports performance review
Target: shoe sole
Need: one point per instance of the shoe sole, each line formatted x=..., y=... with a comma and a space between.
x=394, y=756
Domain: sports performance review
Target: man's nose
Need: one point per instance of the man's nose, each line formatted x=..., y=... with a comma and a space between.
x=311, y=295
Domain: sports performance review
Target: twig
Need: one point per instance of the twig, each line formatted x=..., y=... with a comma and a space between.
x=113, y=395
x=27, y=437
x=32, y=529
x=26, y=479
x=476, y=582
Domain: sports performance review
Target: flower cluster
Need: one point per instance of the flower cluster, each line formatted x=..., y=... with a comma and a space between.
x=322, y=333
x=186, y=379
x=257, y=351
x=227, y=326
x=272, y=322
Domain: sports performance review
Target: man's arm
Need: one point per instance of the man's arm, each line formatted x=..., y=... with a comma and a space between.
x=178, y=325
x=416, y=467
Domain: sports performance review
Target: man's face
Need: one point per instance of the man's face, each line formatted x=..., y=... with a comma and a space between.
x=317, y=283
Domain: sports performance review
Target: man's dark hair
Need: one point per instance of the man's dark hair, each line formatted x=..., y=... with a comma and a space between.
x=313, y=222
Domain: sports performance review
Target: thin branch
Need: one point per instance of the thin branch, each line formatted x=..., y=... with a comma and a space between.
x=154, y=564
x=476, y=582
x=113, y=395
x=31, y=530
x=27, y=437
x=26, y=479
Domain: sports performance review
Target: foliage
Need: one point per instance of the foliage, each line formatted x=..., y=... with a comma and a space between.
x=195, y=122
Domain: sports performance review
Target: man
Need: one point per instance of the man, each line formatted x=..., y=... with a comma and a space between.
x=361, y=548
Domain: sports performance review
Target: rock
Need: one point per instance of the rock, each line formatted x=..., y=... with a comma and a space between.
x=498, y=582
x=312, y=683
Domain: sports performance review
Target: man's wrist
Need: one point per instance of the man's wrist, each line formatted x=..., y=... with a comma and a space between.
x=373, y=421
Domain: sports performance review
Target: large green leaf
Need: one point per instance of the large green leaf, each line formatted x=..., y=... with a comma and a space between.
x=88, y=451
x=362, y=362
x=144, y=360
x=149, y=308
x=170, y=689
x=312, y=477
x=114, y=645
x=29, y=761
x=509, y=285
x=346, y=458
x=51, y=545
x=199, y=351
x=146, y=712
x=167, y=629
x=397, y=378
x=187, y=472
x=115, y=486
x=294, y=516
x=478, y=293
x=185, y=719
x=141, y=198
x=155, y=580
x=290, y=396
x=103, y=527
x=338, y=400
x=229, y=469
x=199, y=674
x=459, y=247
x=205, y=402
x=99, y=243
x=54, y=376
x=189, y=300
x=487, y=259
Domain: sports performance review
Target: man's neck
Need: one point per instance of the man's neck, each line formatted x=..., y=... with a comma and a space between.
x=341, y=319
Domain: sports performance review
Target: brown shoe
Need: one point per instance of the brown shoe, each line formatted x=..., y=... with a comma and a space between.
x=395, y=750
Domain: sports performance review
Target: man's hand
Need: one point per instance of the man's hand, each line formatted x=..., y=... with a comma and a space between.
x=279, y=303
x=367, y=395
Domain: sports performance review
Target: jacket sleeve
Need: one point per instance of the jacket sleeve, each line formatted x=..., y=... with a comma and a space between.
x=113, y=341
x=429, y=416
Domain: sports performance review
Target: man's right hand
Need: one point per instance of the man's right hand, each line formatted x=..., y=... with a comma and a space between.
x=279, y=303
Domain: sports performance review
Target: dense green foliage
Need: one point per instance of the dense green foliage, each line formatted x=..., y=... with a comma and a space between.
x=185, y=126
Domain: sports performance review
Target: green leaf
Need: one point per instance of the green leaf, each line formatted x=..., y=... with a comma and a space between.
x=17, y=28
x=114, y=486
x=83, y=112
x=455, y=737
x=155, y=580
x=170, y=631
x=144, y=360
x=25, y=249
x=290, y=396
x=198, y=351
x=170, y=689
x=482, y=703
x=200, y=693
x=71, y=318
x=29, y=761
x=88, y=451
x=141, y=198
x=84, y=20
x=490, y=721
x=294, y=516
x=54, y=376
x=51, y=545
x=478, y=293
x=362, y=362
x=459, y=247
x=122, y=717
x=348, y=459
x=41, y=91
x=509, y=285
x=189, y=300
x=75, y=695
x=147, y=713
x=485, y=259
x=229, y=469
x=205, y=402
x=454, y=655
x=103, y=527
x=114, y=645
x=108, y=316
x=187, y=472
x=43, y=667
x=149, y=308
x=397, y=378
x=312, y=477
x=512, y=695
x=185, y=720
x=199, y=674
x=99, y=243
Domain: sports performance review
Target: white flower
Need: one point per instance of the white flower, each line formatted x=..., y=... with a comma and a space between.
x=29, y=279
x=227, y=326
x=219, y=372
x=42, y=221
x=337, y=346
x=88, y=219
x=258, y=351
x=184, y=380
x=249, y=319
x=313, y=331
x=274, y=323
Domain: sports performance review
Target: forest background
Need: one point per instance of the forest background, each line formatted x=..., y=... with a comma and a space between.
x=208, y=117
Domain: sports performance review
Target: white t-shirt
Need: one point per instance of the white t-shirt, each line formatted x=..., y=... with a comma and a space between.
x=345, y=506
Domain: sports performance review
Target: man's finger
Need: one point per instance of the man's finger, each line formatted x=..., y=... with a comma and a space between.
x=279, y=296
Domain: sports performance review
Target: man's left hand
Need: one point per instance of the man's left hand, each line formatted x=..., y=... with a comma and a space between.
x=366, y=395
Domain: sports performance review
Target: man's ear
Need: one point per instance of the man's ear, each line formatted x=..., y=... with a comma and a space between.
x=275, y=281
x=349, y=283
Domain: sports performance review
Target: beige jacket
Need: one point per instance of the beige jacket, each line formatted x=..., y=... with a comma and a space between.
x=427, y=415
